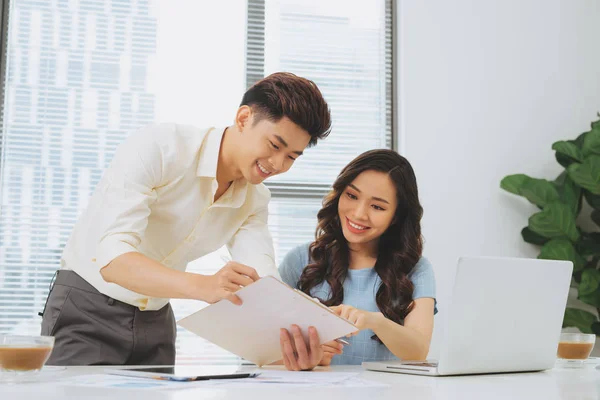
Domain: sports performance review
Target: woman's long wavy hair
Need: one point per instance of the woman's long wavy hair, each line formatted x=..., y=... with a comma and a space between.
x=400, y=247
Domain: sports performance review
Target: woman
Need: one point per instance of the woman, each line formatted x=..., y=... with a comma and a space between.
x=366, y=265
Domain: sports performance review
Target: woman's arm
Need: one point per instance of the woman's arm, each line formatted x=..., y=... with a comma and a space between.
x=409, y=341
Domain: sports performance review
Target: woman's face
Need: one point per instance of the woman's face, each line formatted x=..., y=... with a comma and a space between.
x=367, y=207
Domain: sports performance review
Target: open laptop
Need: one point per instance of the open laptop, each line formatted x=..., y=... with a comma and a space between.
x=505, y=315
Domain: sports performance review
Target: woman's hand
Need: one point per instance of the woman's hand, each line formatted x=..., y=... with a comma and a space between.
x=300, y=356
x=330, y=349
x=360, y=318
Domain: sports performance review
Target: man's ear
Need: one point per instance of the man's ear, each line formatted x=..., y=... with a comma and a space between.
x=243, y=118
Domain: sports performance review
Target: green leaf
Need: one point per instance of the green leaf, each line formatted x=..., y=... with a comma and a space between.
x=563, y=160
x=580, y=319
x=513, y=183
x=562, y=249
x=592, y=299
x=588, y=244
x=554, y=221
x=570, y=192
x=591, y=143
x=580, y=139
x=592, y=199
x=569, y=149
x=531, y=237
x=590, y=280
x=539, y=192
x=587, y=174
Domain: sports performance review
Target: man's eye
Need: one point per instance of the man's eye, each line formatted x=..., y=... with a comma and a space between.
x=274, y=145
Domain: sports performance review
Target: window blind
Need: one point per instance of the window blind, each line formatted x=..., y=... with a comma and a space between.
x=81, y=76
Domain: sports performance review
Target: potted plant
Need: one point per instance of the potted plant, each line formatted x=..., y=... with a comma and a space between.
x=555, y=227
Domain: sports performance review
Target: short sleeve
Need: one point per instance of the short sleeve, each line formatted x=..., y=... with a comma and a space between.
x=423, y=280
x=293, y=264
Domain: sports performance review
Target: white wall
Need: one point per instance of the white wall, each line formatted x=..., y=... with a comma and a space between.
x=485, y=88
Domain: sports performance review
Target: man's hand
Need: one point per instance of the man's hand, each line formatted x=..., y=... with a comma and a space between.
x=297, y=354
x=226, y=282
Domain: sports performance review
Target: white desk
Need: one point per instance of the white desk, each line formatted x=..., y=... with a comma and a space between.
x=572, y=384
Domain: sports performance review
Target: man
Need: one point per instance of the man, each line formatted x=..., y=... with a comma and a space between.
x=172, y=194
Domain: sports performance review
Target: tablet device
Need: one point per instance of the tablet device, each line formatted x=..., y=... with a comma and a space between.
x=185, y=372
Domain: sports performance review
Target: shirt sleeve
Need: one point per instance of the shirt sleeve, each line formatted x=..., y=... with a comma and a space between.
x=128, y=191
x=252, y=244
x=293, y=264
x=423, y=280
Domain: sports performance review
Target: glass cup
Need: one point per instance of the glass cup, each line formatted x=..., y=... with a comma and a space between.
x=23, y=356
x=575, y=348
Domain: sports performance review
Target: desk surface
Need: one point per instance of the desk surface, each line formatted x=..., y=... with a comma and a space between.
x=553, y=384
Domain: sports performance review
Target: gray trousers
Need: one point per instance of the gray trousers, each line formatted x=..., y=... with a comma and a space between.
x=90, y=328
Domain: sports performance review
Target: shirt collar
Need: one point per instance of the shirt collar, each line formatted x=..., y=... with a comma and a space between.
x=235, y=196
x=209, y=153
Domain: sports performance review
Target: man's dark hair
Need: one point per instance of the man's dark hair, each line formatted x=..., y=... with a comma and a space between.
x=284, y=94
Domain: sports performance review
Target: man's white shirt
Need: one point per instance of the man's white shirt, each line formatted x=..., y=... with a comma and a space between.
x=156, y=198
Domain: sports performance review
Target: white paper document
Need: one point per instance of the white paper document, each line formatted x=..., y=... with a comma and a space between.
x=251, y=330
x=278, y=378
x=268, y=378
x=121, y=382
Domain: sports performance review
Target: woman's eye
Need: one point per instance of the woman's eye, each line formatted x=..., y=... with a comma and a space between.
x=351, y=196
x=378, y=208
x=274, y=145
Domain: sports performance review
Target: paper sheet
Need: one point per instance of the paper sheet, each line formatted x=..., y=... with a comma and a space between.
x=266, y=379
x=121, y=382
x=302, y=379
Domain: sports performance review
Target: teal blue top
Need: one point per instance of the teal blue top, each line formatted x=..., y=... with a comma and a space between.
x=360, y=288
